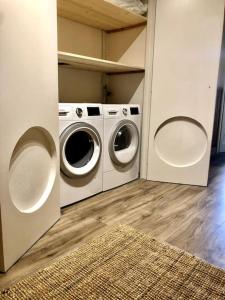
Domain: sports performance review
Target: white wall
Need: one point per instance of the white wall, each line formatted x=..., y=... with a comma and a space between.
x=74, y=85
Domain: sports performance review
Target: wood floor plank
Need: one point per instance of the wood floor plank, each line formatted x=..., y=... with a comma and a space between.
x=189, y=217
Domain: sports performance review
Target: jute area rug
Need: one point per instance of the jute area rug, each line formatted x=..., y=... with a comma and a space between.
x=123, y=264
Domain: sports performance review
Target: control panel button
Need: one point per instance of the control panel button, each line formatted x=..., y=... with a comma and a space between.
x=125, y=112
x=79, y=112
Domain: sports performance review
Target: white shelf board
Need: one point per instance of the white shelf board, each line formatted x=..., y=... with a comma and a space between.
x=99, y=14
x=95, y=64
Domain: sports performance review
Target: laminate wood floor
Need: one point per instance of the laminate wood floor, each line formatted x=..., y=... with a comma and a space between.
x=189, y=217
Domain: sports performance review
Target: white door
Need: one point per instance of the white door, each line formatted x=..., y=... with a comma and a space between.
x=187, y=47
x=29, y=164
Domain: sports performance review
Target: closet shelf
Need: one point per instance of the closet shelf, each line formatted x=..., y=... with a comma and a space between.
x=99, y=14
x=95, y=64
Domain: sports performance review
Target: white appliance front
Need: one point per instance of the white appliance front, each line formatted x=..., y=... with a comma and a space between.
x=81, y=131
x=122, y=125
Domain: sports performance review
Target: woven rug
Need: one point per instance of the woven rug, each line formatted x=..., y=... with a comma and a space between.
x=123, y=264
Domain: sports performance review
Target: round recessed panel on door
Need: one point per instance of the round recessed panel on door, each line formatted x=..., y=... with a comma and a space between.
x=124, y=143
x=80, y=147
x=32, y=170
x=181, y=142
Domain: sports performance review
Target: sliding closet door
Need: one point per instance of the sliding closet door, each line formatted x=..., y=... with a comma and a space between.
x=29, y=138
x=188, y=38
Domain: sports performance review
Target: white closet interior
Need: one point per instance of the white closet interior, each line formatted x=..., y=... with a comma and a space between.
x=101, y=53
x=107, y=54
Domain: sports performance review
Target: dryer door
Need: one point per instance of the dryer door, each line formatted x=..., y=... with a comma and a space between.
x=124, y=143
x=80, y=149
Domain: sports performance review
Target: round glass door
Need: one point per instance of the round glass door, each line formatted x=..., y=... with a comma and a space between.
x=79, y=149
x=122, y=139
x=80, y=146
x=124, y=143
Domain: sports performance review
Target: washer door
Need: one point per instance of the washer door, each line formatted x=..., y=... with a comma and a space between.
x=80, y=149
x=124, y=143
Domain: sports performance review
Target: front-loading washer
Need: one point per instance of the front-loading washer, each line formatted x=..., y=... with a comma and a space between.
x=81, y=132
x=122, y=127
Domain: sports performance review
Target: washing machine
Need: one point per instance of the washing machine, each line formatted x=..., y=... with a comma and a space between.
x=122, y=128
x=81, y=132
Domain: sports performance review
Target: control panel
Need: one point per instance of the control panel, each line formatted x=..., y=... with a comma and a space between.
x=134, y=111
x=93, y=111
x=113, y=112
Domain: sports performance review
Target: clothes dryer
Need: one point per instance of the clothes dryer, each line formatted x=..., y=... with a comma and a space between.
x=122, y=127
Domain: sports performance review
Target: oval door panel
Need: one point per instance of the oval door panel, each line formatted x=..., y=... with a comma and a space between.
x=80, y=146
x=180, y=142
x=32, y=170
x=124, y=143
